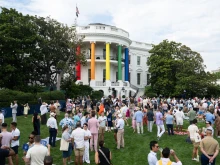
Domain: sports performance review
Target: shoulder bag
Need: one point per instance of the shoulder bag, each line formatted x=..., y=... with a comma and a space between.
x=105, y=157
x=64, y=145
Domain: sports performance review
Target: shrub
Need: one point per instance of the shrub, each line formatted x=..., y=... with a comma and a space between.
x=51, y=95
x=7, y=96
x=96, y=95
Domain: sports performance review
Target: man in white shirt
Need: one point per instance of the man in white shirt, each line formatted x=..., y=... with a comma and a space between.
x=52, y=125
x=37, y=153
x=102, y=123
x=120, y=134
x=152, y=156
x=15, y=140
x=205, y=105
x=78, y=137
x=179, y=115
x=192, y=130
x=14, y=110
x=43, y=111
x=145, y=102
x=166, y=158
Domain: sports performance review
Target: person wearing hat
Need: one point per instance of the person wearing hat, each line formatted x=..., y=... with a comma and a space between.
x=208, y=126
x=120, y=134
x=52, y=125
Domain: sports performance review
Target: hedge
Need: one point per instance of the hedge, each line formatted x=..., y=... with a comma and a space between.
x=51, y=95
x=7, y=96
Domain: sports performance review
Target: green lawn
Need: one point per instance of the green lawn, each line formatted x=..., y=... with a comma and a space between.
x=136, y=145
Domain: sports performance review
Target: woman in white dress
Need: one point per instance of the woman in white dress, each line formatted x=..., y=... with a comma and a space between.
x=26, y=109
x=86, y=153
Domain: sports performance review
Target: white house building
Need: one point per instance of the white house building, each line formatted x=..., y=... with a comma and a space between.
x=116, y=65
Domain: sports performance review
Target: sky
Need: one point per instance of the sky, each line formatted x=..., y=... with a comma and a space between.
x=195, y=23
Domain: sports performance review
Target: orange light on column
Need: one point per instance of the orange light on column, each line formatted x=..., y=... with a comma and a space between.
x=92, y=61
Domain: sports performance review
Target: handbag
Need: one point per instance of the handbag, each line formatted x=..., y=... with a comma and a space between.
x=105, y=157
x=197, y=138
x=64, y=145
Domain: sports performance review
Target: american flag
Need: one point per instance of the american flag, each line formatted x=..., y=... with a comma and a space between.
x=77, y=11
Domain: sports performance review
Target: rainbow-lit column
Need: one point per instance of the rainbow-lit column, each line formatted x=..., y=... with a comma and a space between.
x=126, y=64
x=78, y=65
x=92, y=82
x=119, y=64
x=107, y=62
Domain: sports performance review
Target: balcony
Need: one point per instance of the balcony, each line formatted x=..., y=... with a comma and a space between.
x=103, y=58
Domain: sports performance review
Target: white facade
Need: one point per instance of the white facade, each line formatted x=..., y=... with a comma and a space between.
x=101, y=35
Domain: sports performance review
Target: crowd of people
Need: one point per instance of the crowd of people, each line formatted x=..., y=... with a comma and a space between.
x=86, y=121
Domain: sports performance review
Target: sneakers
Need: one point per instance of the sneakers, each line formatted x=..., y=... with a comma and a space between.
x=194, y=159
x=158, y=138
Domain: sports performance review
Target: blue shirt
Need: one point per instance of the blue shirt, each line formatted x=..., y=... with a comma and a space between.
x=139, y=116
x=210, y=117
x=169, y=119
x=76, y=119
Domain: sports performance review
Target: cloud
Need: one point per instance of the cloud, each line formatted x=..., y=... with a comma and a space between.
x=193, y=23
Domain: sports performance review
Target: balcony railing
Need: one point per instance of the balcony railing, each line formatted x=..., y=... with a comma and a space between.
x=103, y=57
x=114, y=83
x=125, y=84
x=99, y=83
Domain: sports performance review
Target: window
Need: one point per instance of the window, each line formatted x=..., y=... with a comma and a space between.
x=116, y=76
x=104, y=53
x=138, y=60
x=148, y=79
x=89, y=75
x=104, y=75
x=138, y=79
x=129, y=76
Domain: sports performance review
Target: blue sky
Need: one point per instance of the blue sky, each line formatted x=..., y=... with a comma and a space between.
x=194, y=23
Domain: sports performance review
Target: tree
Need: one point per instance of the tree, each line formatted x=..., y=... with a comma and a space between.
x=56, y=50
x=175, y=68
x=34, y=50
x=17, y=40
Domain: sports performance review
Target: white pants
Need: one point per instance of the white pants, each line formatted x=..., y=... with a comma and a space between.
x=150, y=125
x=159, y=134
x=138, y=127
x=14, y=117
x=86, y=153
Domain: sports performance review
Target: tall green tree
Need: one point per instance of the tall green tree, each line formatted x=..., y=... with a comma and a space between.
x=36, y=50
x=17, y=40
x=176, y=70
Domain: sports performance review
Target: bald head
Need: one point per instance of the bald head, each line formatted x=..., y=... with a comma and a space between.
x=209, y=132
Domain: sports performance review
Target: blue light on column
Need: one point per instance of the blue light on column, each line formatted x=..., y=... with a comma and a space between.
x=126, y=64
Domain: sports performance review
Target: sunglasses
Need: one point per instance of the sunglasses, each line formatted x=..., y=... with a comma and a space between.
x=30, y=137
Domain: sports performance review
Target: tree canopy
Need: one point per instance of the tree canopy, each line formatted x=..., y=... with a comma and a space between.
x=176, y=70
x=33, y=50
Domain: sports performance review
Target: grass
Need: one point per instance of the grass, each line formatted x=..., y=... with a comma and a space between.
x=136, y=145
